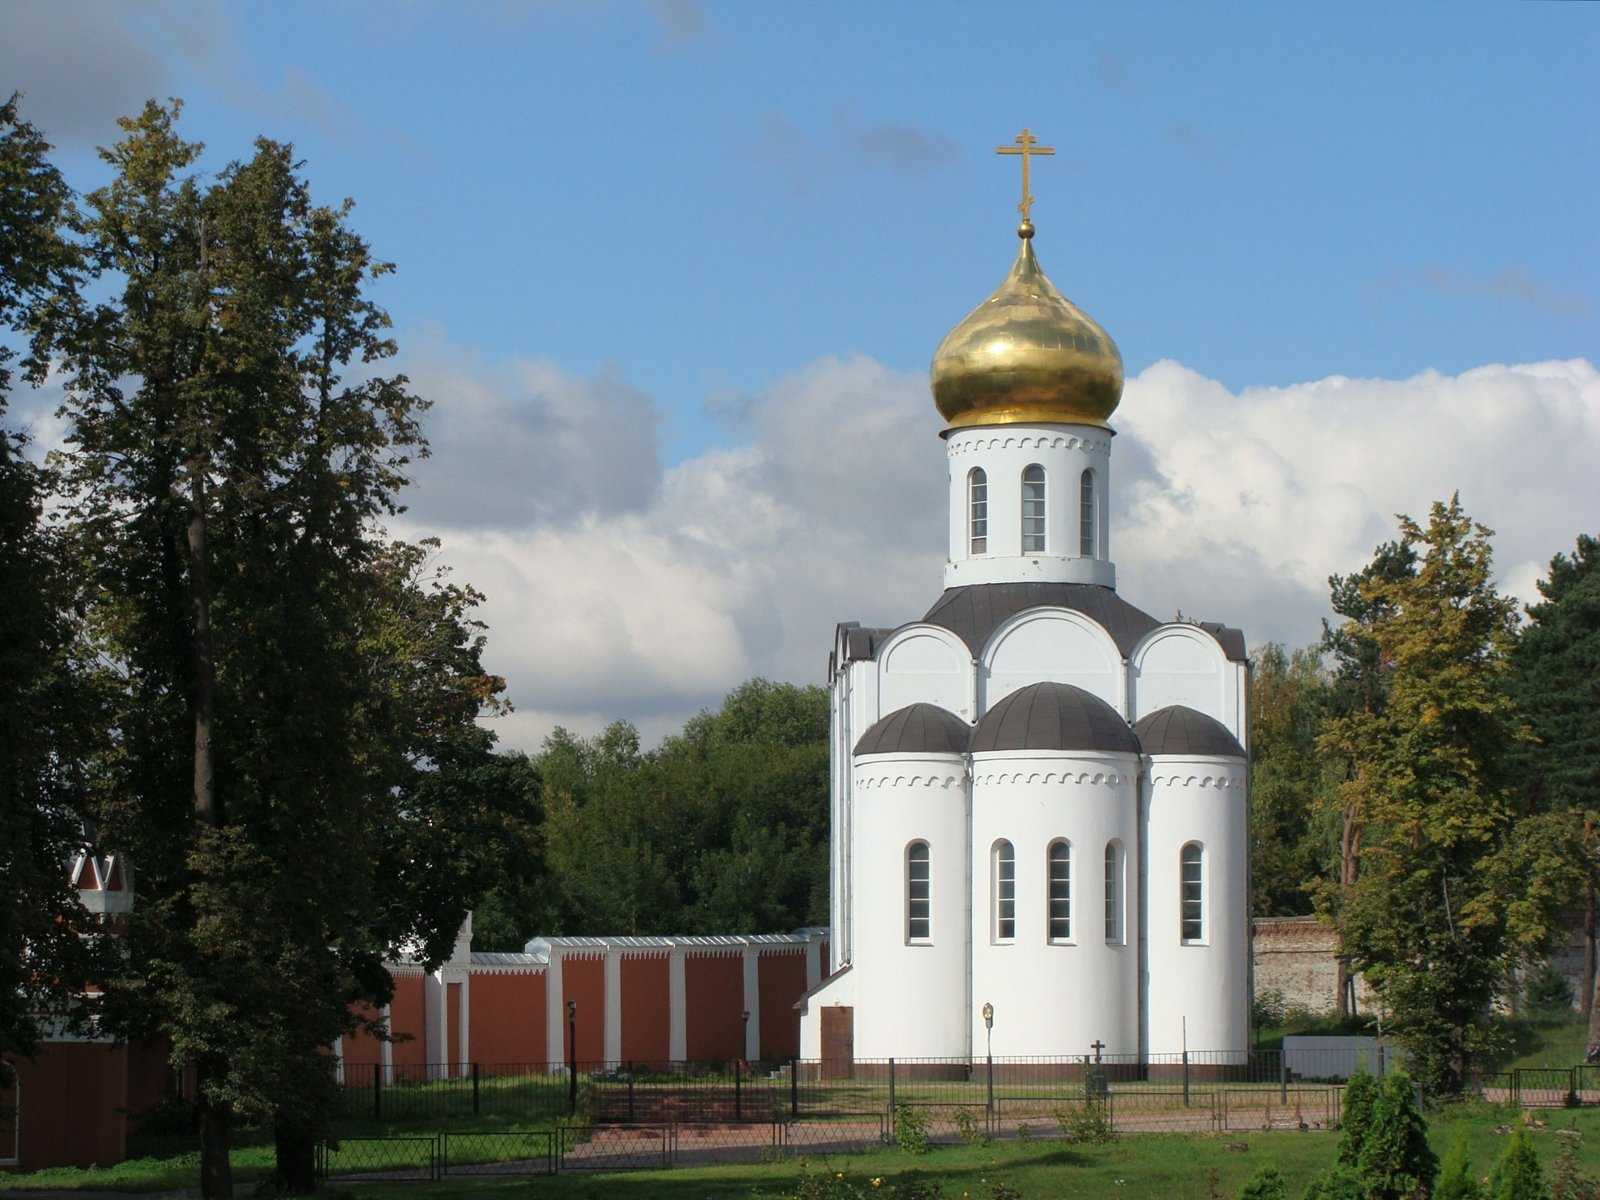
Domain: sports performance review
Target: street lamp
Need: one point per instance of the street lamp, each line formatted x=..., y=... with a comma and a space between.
x=572, y=1057
x=988, y=1027
x=744, y=1034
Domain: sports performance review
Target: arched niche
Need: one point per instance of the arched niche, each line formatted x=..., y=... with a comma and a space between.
x=925, y=664
x=1181, y=664
x=1052, y=645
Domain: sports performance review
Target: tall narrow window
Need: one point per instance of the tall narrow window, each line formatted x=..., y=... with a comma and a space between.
x=978, y=510
x=1086, y=514
x=1193, y=874
x=1005, y=892
x=1060, y=892
x=1114, y=893
x=1033, y=509
x=918, y=916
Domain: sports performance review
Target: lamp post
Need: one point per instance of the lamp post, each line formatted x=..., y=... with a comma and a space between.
x=744, y=1035
x=572, y=1057
x=988, y=1035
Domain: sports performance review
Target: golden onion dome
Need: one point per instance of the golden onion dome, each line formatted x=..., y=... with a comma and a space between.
x=1027, y=354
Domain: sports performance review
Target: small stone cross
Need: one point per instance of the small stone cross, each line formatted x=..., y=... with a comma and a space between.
x=1097, y=1045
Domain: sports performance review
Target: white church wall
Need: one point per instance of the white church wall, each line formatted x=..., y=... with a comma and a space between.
x=1052, y=645
x=1202, y=985
x=1003, y=452
x=913, y=989
x=1055, y=998
x=1183, y=664
x=926, y=664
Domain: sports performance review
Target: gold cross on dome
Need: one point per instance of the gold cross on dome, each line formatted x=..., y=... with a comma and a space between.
x=1027, y=146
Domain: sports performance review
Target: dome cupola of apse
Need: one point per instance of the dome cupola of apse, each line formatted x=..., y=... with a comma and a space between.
x=1027, y=354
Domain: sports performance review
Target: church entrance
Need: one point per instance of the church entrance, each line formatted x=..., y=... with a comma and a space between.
x=838, y=1042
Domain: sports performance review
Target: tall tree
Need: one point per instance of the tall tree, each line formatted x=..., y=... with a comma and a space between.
x=1557, y=686
x=300, y=772
x=1288, y=780
x=1359, y=695
x=1425, y=919
x=45, y=715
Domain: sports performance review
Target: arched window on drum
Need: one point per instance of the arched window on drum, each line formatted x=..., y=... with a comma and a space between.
x=1059, y=866
x=1033, y=520
x=919, y=897
x=1003, y=893
x=1086, y=522
x=977, y=511
x=1192, y=876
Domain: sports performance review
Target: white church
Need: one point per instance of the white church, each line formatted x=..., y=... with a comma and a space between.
x=1038, y=790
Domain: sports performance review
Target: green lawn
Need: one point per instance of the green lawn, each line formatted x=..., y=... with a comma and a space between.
x=1556, y=1041
x=1156, y=1166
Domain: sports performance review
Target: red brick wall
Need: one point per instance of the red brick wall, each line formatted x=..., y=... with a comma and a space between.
x=406, y=1016
x=508, y=1017
x=783, y=981
x=72, y=1102
x=713, y=988
x=150, y=1077
x=584, y=980
x=646, y=1010
x=361, y=1049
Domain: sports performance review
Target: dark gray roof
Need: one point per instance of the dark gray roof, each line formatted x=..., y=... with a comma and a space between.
x=1053, y=716
x=1230, y=639
x=917, y=729
x=974, y=611
x=1179, y=730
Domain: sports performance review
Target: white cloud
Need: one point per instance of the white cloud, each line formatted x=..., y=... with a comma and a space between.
x=1229, y=506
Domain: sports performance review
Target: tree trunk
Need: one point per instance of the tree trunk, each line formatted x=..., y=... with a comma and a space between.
x=1588, y=982
x=205, y=808
x=1349, y=849
x=295, y=1152
x=216, y=1169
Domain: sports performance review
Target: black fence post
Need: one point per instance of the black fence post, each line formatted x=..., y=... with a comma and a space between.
x=377, y=1091
x=738, y=1091
x=989, y=1105
x=475, y=1101
x=1283, y=1077
x=1186, y=1079
x=894, y=1116
x=794, y=1087
x=630, y=1091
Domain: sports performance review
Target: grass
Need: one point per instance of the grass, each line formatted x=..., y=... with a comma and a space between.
x=1557, y=1040
x=1153, y=1166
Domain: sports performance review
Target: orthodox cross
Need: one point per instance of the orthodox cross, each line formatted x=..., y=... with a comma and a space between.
x=1097, y=1045
x=1027, y=146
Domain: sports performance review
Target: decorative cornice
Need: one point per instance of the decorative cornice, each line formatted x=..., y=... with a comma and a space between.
x=926, y=781
x=1091, y=778
x=1220, y=782
x=960, y=445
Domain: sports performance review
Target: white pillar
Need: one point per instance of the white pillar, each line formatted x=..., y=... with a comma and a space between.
x=613, y=976
x=677, y=1018
x=555, y=1016
x=386, y=1047
x=813, y=963
x=752, y=1003
x=436, y=1049
x=338, y=1058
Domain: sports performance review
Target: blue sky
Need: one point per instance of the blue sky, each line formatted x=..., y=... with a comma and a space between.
x=704, y=197
x=655, y=258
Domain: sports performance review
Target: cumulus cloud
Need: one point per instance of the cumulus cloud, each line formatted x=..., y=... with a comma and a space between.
x=1227, y=506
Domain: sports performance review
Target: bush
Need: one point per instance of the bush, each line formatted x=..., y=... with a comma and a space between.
x=1341, y=1182
x=1355, y=1115
x=1549, y=992
x=1266, y=1184
x=1456, y=1180
x=910, y=1129
x=1571, y=1182
x=1517, y=1175
x=1395, y=1161
x=1088, y=1123
x=967, y=1127
x=1268, y=1009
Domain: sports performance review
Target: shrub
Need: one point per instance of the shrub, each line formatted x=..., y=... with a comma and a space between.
x=1355, y=1115
x=1570, y=1181
x=1548, y=991
x=1087, y=1123
x=1268, y=1009
x=1517, y=1175
x=1395, y=1160
x=1456, y=1180
x=1340, y=1182
x=910, y=1129
x=1266, y=1184
x=967, y=1127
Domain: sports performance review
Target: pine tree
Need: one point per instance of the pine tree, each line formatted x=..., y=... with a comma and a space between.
x=1396, y=1162
x=1517, y=1176
x=1557, y=687
x=1355, y=1116
x=1456, y=1180
x=1425, y=920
